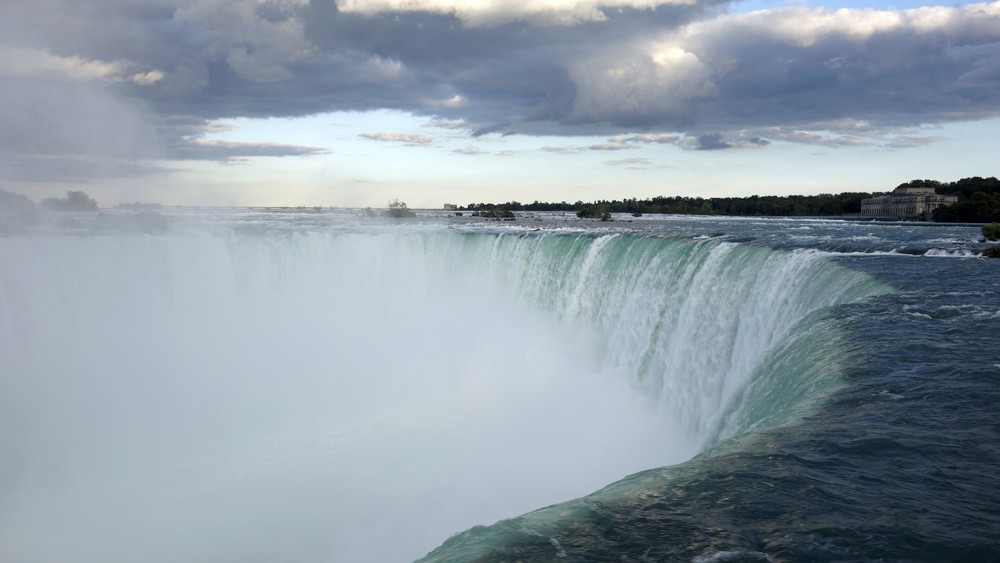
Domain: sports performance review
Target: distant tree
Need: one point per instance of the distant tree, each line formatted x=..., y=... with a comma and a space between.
x=596, y=211
x=399, y=209
x=16, y=211
x=74, y=201
x=980, y=207
x=979, y=202
x=968, y=186
x=992, y=232
x=920, y=184
x=497, y=213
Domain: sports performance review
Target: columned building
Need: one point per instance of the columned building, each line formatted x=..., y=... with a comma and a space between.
x=907, y=203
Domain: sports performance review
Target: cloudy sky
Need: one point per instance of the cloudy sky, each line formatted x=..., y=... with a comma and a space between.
x=355, y=102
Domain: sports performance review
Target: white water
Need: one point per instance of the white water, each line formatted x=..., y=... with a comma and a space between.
x=346, y=398
x=338, y=397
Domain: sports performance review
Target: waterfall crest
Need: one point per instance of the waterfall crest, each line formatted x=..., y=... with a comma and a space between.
x=360, y=395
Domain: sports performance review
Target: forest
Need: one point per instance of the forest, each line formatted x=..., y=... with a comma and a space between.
x=979, y=202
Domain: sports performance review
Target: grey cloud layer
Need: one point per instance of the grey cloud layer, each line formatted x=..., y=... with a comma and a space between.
x=114, y=80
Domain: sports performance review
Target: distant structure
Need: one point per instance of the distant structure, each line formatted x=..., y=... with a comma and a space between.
x=907, y=203
x=450, y=207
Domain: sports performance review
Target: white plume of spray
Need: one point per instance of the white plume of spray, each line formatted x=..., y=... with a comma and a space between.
x=305, y=396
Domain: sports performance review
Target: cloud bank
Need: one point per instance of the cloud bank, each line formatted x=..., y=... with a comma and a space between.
x=115, y=87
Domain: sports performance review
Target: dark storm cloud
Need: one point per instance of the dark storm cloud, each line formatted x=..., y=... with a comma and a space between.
x=139, y=82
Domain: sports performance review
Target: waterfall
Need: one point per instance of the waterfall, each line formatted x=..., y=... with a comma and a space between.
x=360, y=396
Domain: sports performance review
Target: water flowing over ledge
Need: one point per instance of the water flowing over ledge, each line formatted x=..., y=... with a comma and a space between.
x=362, y=395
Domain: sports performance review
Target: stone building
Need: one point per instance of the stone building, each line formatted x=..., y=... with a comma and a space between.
x=906, y=203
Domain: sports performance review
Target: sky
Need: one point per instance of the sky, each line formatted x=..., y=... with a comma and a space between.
x=352, y=103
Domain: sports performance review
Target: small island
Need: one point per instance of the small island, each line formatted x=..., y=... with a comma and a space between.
x=398, y=209
x=992, y=233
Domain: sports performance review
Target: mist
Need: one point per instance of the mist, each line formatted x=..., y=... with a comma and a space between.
x=258, y=386
x=290, y=396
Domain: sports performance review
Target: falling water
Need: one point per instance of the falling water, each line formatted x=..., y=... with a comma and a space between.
x=360, y=396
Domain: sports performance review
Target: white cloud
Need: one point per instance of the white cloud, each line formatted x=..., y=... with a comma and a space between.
x=638, y=163
x=793, y=65
x=562, y=150
x=380, y=69
x=802, y=27
x=453, y=102
x=837, y=134
x=39, y=63
x=197, y=148
x=805, y=27
x=494, y=12
x=148, y=78
x=448, y=123
x=413, y=139
x=646, y=138
x=640, y=82
x=611, y=147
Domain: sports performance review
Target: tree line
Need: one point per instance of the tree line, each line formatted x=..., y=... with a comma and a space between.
x=802, y=205
x=979, y=201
